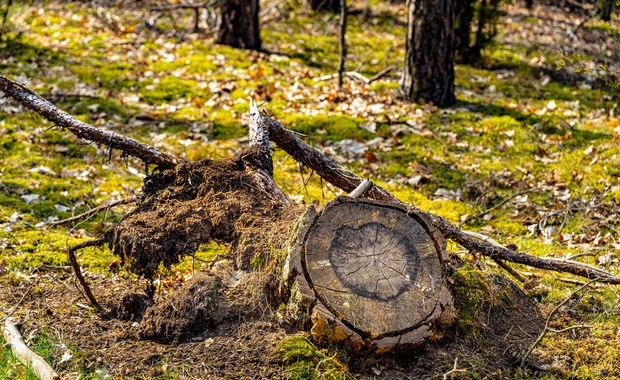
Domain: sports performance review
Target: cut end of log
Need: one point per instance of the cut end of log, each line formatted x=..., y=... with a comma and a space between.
x=372, y=273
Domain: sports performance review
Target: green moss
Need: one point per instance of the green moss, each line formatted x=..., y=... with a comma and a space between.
x=499, y=124
x=477, y=293
x=169, y=88
x=335, y=127
x=305, y=361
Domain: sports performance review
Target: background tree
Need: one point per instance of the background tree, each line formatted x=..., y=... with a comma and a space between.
x=343, y=43
x=429, y=54
x=5, y=17
x=605, y=8
x=239, y=25
x=325, y=5
x=480, y=16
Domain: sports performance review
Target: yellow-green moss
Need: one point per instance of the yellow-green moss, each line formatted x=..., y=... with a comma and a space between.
x=304, y=361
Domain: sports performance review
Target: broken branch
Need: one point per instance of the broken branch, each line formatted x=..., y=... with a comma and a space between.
x=33, y=101
x=25, y=355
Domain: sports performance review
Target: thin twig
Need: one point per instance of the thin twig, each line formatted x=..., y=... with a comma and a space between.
x=510, y=270
x=454, y=369
x=381, y=74
x=94, y=211
x=500, y=204
x=547, y=328
x=8, y=315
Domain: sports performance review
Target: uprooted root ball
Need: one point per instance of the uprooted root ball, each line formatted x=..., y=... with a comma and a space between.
x=228, y=201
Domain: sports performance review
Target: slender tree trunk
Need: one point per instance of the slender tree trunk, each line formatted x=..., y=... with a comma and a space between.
x=5, y=17
x=325, y=5
x=464, y=15
x=529, y=4
x=239, y=24
x=605, y=9
x=429, y=55
x=343, y=42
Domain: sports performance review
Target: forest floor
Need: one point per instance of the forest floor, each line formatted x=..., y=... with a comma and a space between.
x=530, y=156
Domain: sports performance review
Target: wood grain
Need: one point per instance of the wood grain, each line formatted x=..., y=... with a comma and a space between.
x=373, y=266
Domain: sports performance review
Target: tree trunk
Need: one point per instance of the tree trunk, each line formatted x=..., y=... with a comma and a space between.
x=239, y=25
x=343, y=42
x=464, y=15
x=529, y=4
x=605, y=9
x=368, y=274
x=325, y=5
x=429, y=55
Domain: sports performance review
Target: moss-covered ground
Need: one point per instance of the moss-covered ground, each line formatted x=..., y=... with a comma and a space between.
x=545, y=146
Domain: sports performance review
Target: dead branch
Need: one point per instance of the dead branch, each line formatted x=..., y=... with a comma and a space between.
x=347, y=181
x=94, y=211
x=33, y=101
x=547, y=329
x=25, y=355
x=381, y=74
x=320, y=163
x=259, y=138
x=78, y=271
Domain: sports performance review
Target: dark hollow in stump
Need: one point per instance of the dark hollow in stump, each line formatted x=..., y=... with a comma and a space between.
x=369, y=274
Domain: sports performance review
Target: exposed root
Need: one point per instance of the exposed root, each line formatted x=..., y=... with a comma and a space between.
x=78, y=272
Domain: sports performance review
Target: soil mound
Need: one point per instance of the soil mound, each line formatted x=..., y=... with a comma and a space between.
x=188, y=313
x=227, y=201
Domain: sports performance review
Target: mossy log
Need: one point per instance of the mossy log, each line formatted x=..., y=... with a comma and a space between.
x=368, y=274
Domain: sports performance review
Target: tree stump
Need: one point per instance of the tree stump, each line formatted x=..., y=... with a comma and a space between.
x=368, y=274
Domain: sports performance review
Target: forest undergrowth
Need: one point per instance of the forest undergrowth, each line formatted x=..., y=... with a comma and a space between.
x=529, y=156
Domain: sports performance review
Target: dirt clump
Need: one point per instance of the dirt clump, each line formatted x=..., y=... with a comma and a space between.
x=231, y=201
x=129, y=308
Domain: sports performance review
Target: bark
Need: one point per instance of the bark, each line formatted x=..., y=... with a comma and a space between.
x=239, y=25
x=25, y=355
x=259, y=139
x=429, y=53
x=325, y=5
x=33, y=101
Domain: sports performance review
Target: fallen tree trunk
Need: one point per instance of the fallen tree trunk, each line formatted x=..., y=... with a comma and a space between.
x=334, y=280
x=25, y=355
